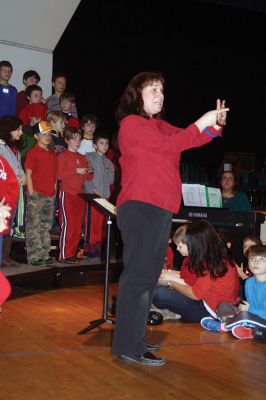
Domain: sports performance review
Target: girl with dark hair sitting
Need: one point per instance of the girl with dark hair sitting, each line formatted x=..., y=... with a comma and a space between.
x=208, y=274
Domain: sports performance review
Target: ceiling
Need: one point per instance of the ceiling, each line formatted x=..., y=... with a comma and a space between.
x=35, y=23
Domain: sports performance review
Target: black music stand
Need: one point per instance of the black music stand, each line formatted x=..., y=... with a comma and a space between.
x=108, y=209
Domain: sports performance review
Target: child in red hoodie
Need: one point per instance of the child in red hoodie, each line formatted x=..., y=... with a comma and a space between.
x=73, y=170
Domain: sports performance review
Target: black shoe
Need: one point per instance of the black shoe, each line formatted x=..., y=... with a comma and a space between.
x=152, y=347
x=70, y=260
x=259, y=334
x=144, y=359
x=154, y=318
x=48, y=260
x=38, y=262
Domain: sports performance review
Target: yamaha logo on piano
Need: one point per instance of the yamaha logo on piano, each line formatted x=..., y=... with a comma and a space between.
x=197, y=215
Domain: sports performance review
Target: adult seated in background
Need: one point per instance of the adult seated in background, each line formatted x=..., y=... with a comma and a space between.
x=232, y=198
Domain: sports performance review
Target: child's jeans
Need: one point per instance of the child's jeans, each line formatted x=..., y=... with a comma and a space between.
x=39, y=219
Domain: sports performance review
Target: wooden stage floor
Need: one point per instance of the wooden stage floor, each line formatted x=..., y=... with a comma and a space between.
x=42, y=357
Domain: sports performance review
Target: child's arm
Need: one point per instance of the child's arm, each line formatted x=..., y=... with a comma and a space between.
x=240, y=271
x=89, y=171
x=179, y=287
x=111, y=173
x=63, y=170
x=89, y=186
x=29, y=181
x=243, y=306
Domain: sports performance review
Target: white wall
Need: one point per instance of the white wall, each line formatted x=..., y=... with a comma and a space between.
x=29, y=32
x=38, y=23
x=23, y=59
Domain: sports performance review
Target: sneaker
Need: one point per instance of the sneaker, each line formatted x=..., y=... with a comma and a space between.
x=37, y=262
x=226, y=310
x=19, y=235
x=167, y=314
x=48, y=260
x=211, y=324
x=154, y=318
x=242, y=332
x=70, y=260
x=259, y=334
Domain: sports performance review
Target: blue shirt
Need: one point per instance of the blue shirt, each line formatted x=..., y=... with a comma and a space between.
x=8, y=98
x=256, y=297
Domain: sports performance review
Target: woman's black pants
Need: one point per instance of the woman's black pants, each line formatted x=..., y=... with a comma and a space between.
x=145, y=231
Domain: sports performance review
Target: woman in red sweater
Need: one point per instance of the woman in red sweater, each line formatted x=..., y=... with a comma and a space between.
x=151, y=192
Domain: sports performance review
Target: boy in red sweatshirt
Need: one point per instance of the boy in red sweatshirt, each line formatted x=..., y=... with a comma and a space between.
x=73, y=170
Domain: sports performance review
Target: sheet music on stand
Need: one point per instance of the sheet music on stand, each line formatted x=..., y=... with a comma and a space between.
x=106, y=205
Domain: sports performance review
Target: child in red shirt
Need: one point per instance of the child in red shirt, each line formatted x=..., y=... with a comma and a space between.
x=208, y=276
x=35, y=105
x=41, y=169
x=73, y=170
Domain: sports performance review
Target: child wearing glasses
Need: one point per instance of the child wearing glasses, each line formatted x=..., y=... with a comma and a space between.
x=248, y=321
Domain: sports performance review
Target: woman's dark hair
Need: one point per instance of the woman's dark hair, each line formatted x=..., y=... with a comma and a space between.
x=10, y=123
x=131, y=101
x=207, y=250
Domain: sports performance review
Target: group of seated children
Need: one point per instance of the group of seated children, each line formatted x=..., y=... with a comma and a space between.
x=207, y=287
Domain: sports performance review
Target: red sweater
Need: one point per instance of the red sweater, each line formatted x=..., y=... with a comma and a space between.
x=150, y=158
x=30, y=110
x=71, y=181
x=8, y=186
x=213, y=291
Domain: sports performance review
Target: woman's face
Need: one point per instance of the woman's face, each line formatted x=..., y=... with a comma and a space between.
x=227, y=181
x=153, y=97
x=15, y=135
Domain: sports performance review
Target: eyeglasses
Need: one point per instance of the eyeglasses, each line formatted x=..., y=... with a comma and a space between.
x=257, y=260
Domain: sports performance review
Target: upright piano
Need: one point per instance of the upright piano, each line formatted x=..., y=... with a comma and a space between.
x=250, y=220
x=239, y=224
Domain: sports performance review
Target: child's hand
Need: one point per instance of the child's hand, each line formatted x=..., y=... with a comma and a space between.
x=240, y=271
x=4, y=215
x=22, y=180
x=96, y=192
x=34, y=120
x=82, y=171
x=170, y=274
x=162, y=281
x=243, y=306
